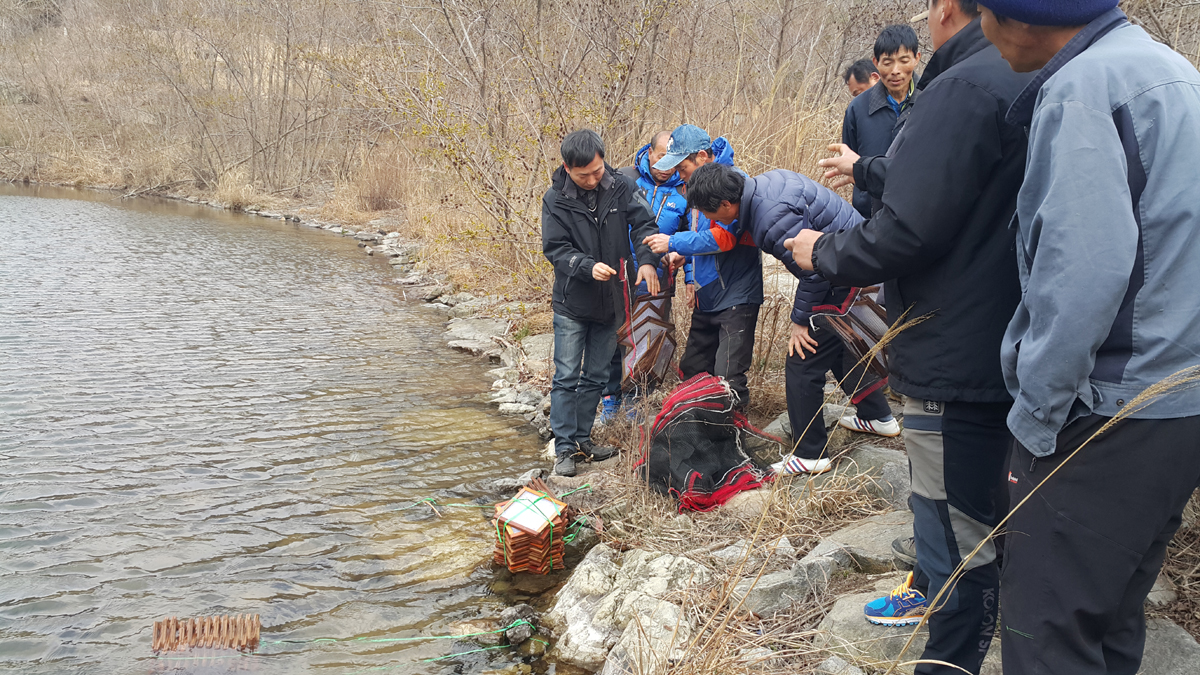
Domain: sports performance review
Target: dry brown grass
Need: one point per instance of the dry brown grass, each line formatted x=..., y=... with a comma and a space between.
x=1182, y=568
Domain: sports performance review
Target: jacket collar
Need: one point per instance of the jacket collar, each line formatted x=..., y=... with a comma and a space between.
x=878, y=100
x=565, y=186
x=746, y=207
x=965, y=43
x=1021, y=111
x=642, y=162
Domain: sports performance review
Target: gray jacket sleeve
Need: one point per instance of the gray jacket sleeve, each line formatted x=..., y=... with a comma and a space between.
x=1076, y=250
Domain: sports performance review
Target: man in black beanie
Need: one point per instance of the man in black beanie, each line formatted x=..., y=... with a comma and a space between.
x=1109, y=261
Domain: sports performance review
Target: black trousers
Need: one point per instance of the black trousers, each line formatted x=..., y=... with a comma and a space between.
x=805, y=382
x=722, y=344
x=958, y=453
x=1084, y=551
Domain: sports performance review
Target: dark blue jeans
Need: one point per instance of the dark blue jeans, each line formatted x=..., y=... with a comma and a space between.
x=583, y=351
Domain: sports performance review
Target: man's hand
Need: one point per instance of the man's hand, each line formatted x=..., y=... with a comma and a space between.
x=841, y=167
x=689, y=296
x=674, y=261
x=648, y=274
x=800, y=341
x=801, y=247
x=659, y=243
x=602, y=272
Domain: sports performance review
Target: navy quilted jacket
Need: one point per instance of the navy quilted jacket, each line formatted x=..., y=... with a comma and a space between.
x=776, y=206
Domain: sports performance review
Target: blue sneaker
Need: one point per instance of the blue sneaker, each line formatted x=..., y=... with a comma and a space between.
x=611, y=404
x=902, y=607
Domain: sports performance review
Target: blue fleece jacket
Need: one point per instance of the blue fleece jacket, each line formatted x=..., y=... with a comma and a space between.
x=1108, y=239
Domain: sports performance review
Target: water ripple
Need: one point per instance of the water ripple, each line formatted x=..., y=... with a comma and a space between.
x=205, y=414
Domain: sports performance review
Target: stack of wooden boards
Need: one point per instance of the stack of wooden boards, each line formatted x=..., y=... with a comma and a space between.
x=529, y=532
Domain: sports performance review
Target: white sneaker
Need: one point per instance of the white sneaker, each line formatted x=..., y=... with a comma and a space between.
x=889, y=428
x=795, y=466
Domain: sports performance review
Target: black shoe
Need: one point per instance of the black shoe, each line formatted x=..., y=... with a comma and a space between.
x=596, y=453
x=904, y=549
x=564, y=465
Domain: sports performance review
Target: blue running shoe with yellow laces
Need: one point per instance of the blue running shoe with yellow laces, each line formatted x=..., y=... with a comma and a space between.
x=904, y=606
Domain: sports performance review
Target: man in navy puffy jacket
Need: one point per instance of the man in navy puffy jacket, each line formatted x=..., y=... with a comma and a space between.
x=774, y=207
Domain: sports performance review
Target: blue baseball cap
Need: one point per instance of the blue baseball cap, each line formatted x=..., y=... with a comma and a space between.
x=686, y=139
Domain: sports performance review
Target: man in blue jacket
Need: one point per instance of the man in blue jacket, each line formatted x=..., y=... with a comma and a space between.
x=725, y=287
x=871, y=119
x=661, y=189
x=774, y=207
x=1108, y=248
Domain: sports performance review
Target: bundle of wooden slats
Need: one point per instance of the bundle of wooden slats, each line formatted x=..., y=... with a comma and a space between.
x=221, y=632
x=529, y=532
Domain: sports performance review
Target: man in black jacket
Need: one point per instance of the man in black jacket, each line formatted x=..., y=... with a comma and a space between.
x=942, y=243
x=588, y=216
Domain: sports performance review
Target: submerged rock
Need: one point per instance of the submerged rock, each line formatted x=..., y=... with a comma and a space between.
x=522, y=632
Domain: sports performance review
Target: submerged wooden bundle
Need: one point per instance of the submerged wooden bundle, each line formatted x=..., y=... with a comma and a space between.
x=221, y=632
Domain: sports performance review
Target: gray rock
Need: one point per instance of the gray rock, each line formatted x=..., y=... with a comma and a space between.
x=868, y=543
x=888, y=467
x=836, y=665
x=476, y=329
x=834, y=411
x=511, y=375
x=846, y=633
x=435, y=291
x=520, y=633
x=504, y=396
x=530, y=397
x=453, y=299
x=780, y=428
x=733, y=555
x=748, y=504
x=474, y=347
x=469, y=309
x=620, y=600
x=539, y=354
x=1163, y=593
x=771, y=593
x=1170, y=650
x=818, y=567
x=515, y=409
x=655, y=637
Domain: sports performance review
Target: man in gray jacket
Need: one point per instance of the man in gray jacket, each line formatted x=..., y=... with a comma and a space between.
x=1108, y=249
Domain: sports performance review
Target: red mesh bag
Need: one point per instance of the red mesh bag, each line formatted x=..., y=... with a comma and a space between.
x=693, y=451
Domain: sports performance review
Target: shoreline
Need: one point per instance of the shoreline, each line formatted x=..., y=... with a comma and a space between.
x=767, y=574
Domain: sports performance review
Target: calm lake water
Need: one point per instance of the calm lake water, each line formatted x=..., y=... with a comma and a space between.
x=207, y=414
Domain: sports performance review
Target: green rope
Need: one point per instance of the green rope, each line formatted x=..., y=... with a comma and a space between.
x=428, y=500
x=585, y=486
x=574, y=529
x=514, y=624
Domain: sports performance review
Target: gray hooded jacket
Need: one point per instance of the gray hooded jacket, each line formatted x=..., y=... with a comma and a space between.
x=1108, y=242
